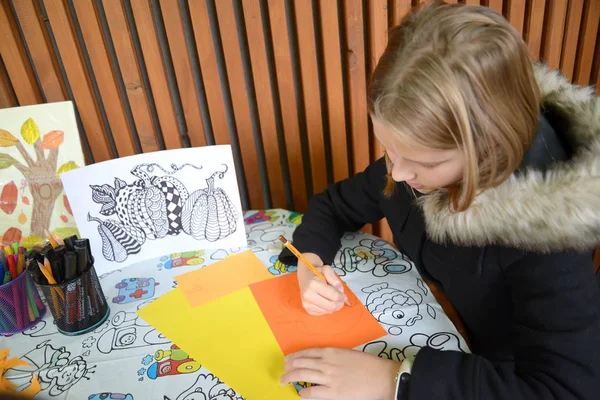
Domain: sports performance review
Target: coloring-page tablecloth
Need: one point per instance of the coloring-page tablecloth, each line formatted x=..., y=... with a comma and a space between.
x=127, y=359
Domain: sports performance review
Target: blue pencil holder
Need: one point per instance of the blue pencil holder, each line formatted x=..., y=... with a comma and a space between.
x=20, y=305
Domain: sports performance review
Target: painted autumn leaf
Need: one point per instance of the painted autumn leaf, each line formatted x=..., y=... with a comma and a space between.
x=6, y=161
x=30, y=131
x=8, y=198
x=7, y=139
x=53, y=139
x=68, y=166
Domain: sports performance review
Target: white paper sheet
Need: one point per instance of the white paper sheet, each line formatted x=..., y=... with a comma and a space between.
x=143, y=206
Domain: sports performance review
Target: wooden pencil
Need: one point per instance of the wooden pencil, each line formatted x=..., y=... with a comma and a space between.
x=300, y=257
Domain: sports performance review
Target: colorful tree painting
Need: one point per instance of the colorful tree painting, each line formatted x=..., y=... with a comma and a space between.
x=40, y=172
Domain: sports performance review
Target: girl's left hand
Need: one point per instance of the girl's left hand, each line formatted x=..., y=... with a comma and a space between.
x=342, y=374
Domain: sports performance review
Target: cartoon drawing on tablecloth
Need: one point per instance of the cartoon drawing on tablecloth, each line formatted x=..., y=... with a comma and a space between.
x=127, y=331
x=278, y=268
x=157, y=205
x=209, y=387
x=261, y=216
x=134, y=289
x=439, y=341
x=371, y=255
x=393, y=307
x=41, y=329
x=55, y=368
x=110, y=396
x=301, y=385
x=295, y=218
x=181, y=259
x=171, y=361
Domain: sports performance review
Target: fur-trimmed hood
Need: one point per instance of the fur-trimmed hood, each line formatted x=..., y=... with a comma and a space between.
x=550, y=211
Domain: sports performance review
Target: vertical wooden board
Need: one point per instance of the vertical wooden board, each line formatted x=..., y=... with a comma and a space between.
x=157, y=74
x=7, y=95
x=183, y=71
x=516, y=14
x=210, y=72
x=399, y=9
x=555, y=29
x=264, y=99
x=334, y=89
x=78, y=79
x=357, y=84
x=16, y=62
x=107, y=85
x=311, y=90
x=587, y=43
x=130, y=71
x=355, y=59
x=472, y=2
x=495, y=5
x=378, y=35
x=571, y=40
x=239, y=98
x=285, y=80
x=535, y=27
x=40, y=48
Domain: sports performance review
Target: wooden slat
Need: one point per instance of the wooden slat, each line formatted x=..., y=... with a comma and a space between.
x=107, y=84
x=357, y=86
x=183, y=71
x=587, y=43
x=266, y=111
x=378, y=34
x=472, y=2
x=7, y=94
x=210, y=72
x=516, y=14
x=535, y=27
x=146, y=30
x=239, y=97
x=334, y=86
x=555, y=29
x=16, y=62
x=78, y=79
x=285, y=80
x=495, y=5
x=40, y=48
x=571, y=40
x=130, y=71
x=399, y=9
x=311, y=91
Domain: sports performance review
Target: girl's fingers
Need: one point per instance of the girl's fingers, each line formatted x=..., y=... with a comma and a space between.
x=316, y=298
x=316, y=392
x=303, y=363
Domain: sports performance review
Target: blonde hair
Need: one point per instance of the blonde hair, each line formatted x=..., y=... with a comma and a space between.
x=456, y=76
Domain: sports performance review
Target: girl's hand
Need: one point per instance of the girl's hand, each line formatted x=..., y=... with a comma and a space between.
x=318, y=297
x=342, y=374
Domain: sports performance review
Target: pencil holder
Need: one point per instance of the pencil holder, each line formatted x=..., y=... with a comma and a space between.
x=78, y=306
x=20, y=305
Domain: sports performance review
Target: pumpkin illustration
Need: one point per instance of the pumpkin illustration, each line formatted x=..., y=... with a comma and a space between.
x=118, y=240
x=208, y=213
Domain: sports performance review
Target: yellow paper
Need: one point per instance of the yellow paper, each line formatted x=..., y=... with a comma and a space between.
x=226, y=276
x=228, y=336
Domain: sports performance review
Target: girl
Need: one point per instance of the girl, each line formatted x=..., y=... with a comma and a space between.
x=491, y=185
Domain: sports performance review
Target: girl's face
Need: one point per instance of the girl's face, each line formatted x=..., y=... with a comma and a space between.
x=422, y=168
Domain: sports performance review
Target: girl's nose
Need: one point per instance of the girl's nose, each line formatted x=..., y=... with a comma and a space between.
x=402, y=172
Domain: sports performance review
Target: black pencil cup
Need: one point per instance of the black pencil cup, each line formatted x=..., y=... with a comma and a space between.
x=78, y=306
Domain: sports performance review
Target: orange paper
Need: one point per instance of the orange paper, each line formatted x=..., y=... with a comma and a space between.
x=224, y=277
x=294, y=329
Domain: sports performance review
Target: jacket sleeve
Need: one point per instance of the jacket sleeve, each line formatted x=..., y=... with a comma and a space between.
x=345, y=206
x=556, y=340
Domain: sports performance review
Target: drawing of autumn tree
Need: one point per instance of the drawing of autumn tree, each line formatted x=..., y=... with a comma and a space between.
x=39, y=171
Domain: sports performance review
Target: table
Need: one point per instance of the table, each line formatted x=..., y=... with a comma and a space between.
x=127, y=359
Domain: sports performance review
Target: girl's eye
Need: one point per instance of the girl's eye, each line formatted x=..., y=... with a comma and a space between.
x=429, y=166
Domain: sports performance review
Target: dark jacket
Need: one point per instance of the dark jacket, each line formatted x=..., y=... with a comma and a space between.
x=516, y=265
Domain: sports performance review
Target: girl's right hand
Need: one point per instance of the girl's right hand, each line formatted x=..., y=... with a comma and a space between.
x=318, y=297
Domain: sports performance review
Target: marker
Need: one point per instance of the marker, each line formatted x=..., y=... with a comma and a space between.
x=70, y=265
x=82, y=258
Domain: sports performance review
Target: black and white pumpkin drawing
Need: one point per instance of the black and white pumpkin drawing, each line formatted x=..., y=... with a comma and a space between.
x=157, y=205
x=208, y=213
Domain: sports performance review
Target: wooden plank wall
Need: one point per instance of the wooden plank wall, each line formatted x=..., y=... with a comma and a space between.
x=282, y=81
